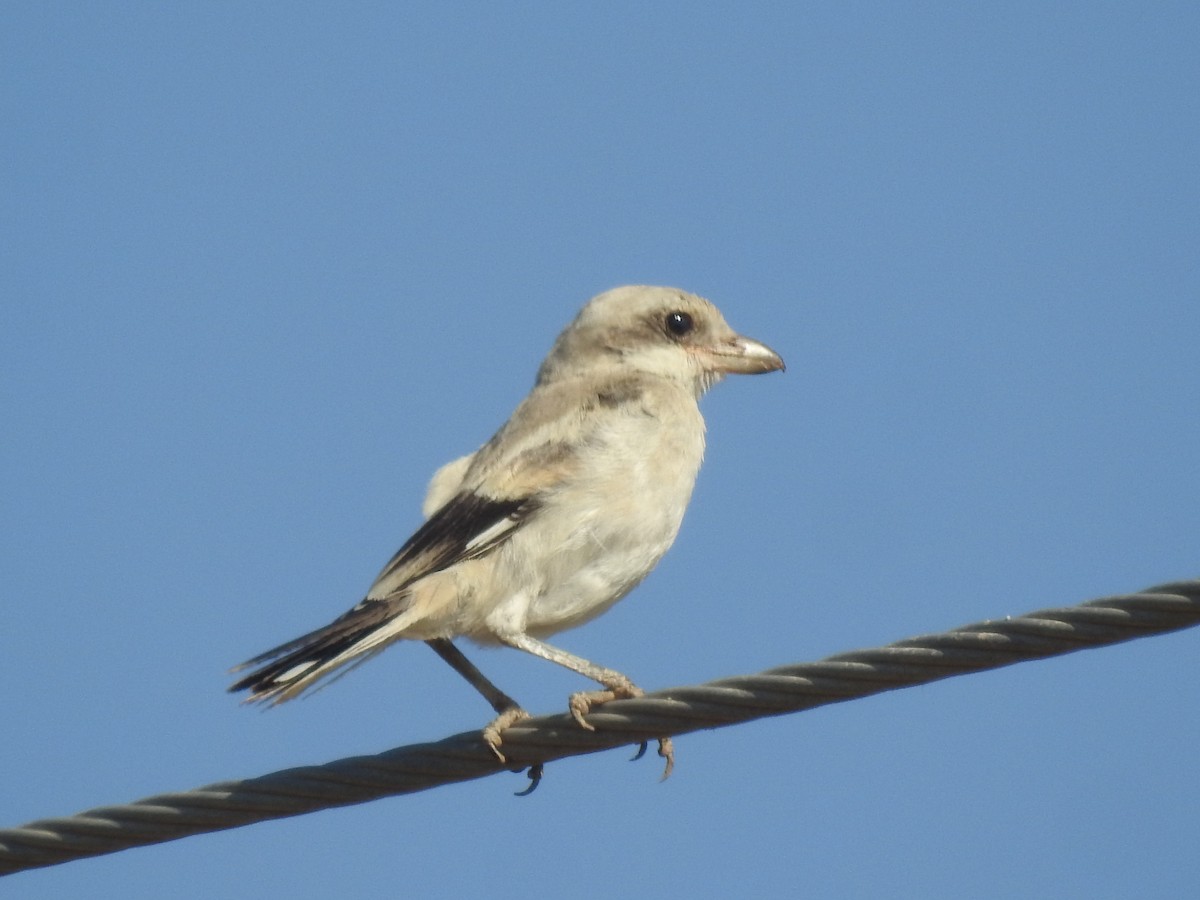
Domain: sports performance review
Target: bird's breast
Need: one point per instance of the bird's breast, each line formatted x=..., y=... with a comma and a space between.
x=609, y=527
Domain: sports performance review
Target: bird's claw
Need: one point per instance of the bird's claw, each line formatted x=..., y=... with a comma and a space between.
x=581, y=704
x=666, y=749
x=492, y=737
x=535, y=778
x=493, y=730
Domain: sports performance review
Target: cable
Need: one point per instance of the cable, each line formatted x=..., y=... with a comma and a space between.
x=845, y=676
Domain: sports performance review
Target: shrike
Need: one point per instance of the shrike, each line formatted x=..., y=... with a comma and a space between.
x=557, y=517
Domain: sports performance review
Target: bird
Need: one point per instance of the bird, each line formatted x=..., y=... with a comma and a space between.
x=568, y=506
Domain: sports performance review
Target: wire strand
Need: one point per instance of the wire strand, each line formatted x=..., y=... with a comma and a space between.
x=846, y=676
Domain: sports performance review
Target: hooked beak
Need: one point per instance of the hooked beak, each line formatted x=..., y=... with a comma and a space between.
x=742, y=356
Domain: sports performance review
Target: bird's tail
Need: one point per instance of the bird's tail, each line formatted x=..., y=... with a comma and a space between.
x=291, y=669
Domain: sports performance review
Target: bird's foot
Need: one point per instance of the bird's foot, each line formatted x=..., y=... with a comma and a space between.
x=581, y=704
x=493, y=730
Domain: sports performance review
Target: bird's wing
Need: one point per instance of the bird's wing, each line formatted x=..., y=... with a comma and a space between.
x=503, y=485
x=466, y=527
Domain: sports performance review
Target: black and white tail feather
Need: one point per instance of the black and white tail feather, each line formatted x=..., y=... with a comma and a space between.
x=467, y=527
x=298, y=665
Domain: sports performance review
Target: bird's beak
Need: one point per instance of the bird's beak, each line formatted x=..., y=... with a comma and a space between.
x=742, y=356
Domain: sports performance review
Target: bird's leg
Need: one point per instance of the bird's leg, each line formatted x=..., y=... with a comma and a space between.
x=617, y=686
x=509, y=712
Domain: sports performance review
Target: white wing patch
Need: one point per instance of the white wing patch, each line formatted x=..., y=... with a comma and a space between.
x=492, y=535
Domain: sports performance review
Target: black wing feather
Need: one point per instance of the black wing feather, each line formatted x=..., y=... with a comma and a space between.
x=446, y=537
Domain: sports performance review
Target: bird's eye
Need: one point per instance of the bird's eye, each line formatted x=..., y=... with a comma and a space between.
x=679, y=323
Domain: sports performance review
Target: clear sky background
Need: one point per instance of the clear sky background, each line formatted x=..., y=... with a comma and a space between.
x=266, y=266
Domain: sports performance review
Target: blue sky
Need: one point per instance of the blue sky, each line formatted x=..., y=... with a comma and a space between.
x=266, y=268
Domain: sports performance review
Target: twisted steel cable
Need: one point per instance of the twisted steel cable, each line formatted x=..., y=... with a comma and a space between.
x=845, y=676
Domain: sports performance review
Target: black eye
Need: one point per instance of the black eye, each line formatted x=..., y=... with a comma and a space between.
x=679, y=323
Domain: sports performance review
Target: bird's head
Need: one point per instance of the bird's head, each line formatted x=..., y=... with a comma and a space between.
x=660, y=331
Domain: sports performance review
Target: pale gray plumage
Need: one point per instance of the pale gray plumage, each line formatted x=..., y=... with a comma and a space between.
x=557, y=517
